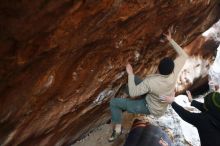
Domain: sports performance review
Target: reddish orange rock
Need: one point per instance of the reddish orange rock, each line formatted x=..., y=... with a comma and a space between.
x=61, y=61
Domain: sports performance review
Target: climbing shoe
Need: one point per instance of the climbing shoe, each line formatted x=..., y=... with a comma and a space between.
x=114, y=136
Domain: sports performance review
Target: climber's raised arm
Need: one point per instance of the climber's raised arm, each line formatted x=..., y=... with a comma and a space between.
x=177, y=48
x=182, y=55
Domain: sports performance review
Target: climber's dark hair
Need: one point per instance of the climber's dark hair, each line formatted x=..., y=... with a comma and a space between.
x=166, y=66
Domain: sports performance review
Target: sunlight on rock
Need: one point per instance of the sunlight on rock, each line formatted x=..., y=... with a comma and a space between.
x=213, y=32
x=194, y=68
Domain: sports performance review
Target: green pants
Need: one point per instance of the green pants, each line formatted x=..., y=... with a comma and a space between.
x=135, y=106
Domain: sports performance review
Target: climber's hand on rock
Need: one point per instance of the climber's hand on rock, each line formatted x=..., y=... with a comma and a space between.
x=168, y=35
x=129, y=69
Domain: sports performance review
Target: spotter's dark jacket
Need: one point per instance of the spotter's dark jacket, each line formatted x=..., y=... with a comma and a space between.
x=208, y=125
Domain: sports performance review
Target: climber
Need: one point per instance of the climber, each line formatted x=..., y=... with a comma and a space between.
x=143, y=133
x=214, y=73
x=161, y=83
x=207, y=122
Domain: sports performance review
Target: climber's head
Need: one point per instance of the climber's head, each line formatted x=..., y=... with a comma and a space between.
x=166, y=66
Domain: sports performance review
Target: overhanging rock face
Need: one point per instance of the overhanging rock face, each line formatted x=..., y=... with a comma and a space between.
x=62, y=60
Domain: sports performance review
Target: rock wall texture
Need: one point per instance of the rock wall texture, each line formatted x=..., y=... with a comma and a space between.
x=61, y=61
